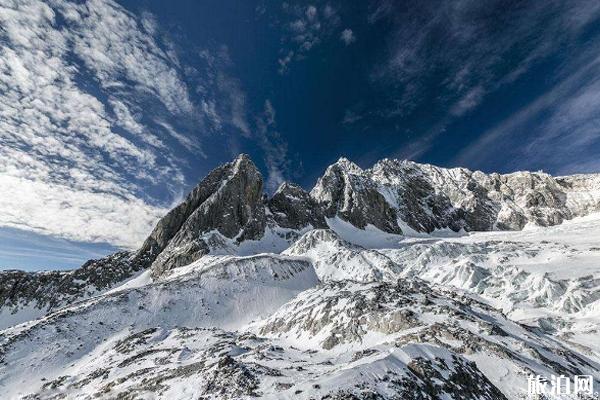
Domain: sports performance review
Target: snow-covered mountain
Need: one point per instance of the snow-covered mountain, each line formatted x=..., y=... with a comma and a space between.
x=395, y=194
x=401, y=281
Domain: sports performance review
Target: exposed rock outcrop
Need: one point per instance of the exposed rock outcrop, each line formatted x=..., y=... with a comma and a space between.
x=45, y=291
x=292, y=207
x=229, y=205
x=426, y=197
x=229, y=201
x=344, y=191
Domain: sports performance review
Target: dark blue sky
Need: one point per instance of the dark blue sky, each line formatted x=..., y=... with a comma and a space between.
x=423, y=80
x=183, y=86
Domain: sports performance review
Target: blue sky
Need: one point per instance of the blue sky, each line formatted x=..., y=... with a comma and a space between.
x=111, y=111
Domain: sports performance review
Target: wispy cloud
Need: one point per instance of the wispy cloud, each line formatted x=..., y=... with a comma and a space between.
x=76, y=214
x=305, y=27
x=559, y=129
x=275, y=149
x=236, y=102
x=116, y=46
x=449, y=56
x=225, y=98
x=76, y=150
x=347, y=36
x=351, y=117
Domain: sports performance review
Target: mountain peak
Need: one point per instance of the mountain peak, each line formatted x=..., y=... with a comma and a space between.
x=243, y=160
x=347, y=165
x=287, y=187
x=228, y=201
x=293, y=207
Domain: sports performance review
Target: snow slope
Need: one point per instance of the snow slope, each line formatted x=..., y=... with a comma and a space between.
x=227, y=292
x=330, y=317
x=396, y=282
x=379, y=317
x=547, y=277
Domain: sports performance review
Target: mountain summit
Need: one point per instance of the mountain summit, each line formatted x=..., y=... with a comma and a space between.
x=379, y=283
x=229, y=207
x=228, y=201
x=229, y=213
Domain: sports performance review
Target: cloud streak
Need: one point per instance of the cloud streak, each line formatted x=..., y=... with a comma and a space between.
x=76, y=150
x=566, y=121
x=274, y=147
x=448, y=57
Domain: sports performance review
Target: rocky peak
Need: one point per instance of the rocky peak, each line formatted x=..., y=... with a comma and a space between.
x=229, y=204
x=170, y=224
x=290, y=189
x=344, y=190
x=243, y=163
x=228, y=201
x=292, y=207
x=426, y=197
x=346, y=165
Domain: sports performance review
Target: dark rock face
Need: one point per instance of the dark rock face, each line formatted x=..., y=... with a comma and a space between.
x=49, y=290
x=230, y=204
x=343, y=191
x=427, y=198
x=171, y=223
x=292, y=207
x=425, y=203
x=229, y=200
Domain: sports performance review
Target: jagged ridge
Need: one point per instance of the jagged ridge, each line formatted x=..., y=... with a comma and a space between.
x=228, y=207
x=387, y=333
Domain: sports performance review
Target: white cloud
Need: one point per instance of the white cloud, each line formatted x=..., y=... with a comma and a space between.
x=311, y=13
x=298, y=26
x=230, y=110
x=111, y=43
x=351, y=117
x=73, y=160
x=347, y=36
x=275, y=149
x=269, y=113
x=566, y=136
x=189, y=142
x=236, y=102
x=75, y=214
x=130, y=122
x=468, y=101
x=309, y=26
x=329, y=11
x=285, y=61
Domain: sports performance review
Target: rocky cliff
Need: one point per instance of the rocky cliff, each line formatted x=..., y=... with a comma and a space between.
x=229, y=204
x=228, y=209
x=424, y=197
x=343, y=292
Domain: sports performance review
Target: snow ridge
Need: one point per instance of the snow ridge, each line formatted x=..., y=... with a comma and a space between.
x=400, y=281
